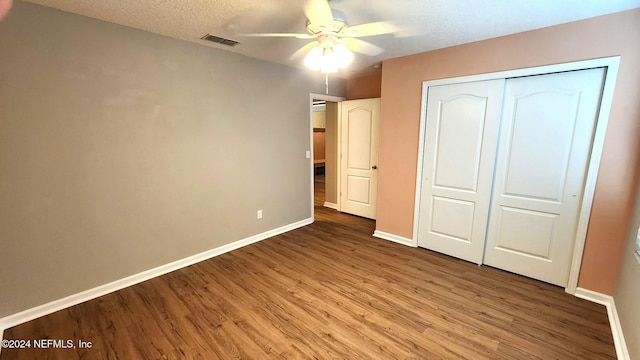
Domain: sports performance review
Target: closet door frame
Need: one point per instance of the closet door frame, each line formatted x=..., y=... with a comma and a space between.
x=611, y=65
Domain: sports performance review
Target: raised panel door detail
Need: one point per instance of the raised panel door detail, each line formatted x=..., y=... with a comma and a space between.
x=359, y=189
x=452, y=218
x=526, y=232
x=540, y=144
x=359, y=139
x=460, y=126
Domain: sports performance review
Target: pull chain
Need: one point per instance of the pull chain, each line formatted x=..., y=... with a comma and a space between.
x=326, y=83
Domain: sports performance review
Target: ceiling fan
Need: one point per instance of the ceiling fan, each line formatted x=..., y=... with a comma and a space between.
x=334, y=38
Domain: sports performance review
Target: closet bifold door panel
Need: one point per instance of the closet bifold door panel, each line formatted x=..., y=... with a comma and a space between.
x=546, y=134
x=460, y=144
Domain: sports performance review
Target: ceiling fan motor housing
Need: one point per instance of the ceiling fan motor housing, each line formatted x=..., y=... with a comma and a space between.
x=327, y=40
x=340, y=22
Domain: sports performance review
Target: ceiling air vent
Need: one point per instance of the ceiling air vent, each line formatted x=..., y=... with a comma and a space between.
x=219, y=40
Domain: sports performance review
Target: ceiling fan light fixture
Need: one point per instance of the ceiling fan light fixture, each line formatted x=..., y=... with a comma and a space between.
x=328, y=59
x=342, y=55
x=313, y=60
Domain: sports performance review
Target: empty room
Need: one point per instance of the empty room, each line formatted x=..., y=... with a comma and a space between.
x=314, y=179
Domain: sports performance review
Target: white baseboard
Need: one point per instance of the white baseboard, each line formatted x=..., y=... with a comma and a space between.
x=331, y=205
x=614, y=321
x=53, y=306
x=394, y=238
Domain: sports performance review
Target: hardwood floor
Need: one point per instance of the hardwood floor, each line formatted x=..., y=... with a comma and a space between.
x=328, y=290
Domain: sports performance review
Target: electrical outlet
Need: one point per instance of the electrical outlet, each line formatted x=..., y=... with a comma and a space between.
x=259, y=214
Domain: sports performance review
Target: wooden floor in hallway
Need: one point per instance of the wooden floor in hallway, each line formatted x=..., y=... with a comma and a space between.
x=328, y=291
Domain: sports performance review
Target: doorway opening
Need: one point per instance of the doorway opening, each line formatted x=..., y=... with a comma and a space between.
x=323, y=115
x=319, y=119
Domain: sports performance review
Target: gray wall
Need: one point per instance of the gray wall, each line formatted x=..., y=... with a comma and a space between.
x=627, y=295
x=121, y=150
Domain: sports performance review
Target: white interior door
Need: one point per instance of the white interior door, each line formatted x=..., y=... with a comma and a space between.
x=359, y=157
x=543, y=154
x=459, y=154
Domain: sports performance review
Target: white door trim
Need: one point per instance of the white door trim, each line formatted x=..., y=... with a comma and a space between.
x=311, y=170
x=611, y=64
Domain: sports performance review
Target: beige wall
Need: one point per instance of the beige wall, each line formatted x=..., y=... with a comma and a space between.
x=616, y=34
x=121, y=150
x=627, y=294
x=319, y=119
x=366, y=87
x=331, y=161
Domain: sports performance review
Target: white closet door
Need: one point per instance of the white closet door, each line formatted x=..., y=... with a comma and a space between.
x=461, y=137
x=543, y=154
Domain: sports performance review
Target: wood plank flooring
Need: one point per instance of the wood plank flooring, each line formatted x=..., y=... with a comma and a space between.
x=328, y=291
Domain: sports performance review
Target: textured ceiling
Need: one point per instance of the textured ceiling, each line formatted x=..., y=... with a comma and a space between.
x=429, y=24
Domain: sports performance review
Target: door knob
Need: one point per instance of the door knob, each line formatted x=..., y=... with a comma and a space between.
x=374, y=167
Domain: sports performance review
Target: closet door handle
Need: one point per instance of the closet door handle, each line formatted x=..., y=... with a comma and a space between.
x=374, y=167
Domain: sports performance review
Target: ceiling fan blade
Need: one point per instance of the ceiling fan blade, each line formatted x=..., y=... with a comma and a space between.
x=370, y=29
x=319, y=12
x=286, y=35
x=361, y=46
x=304, y=50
